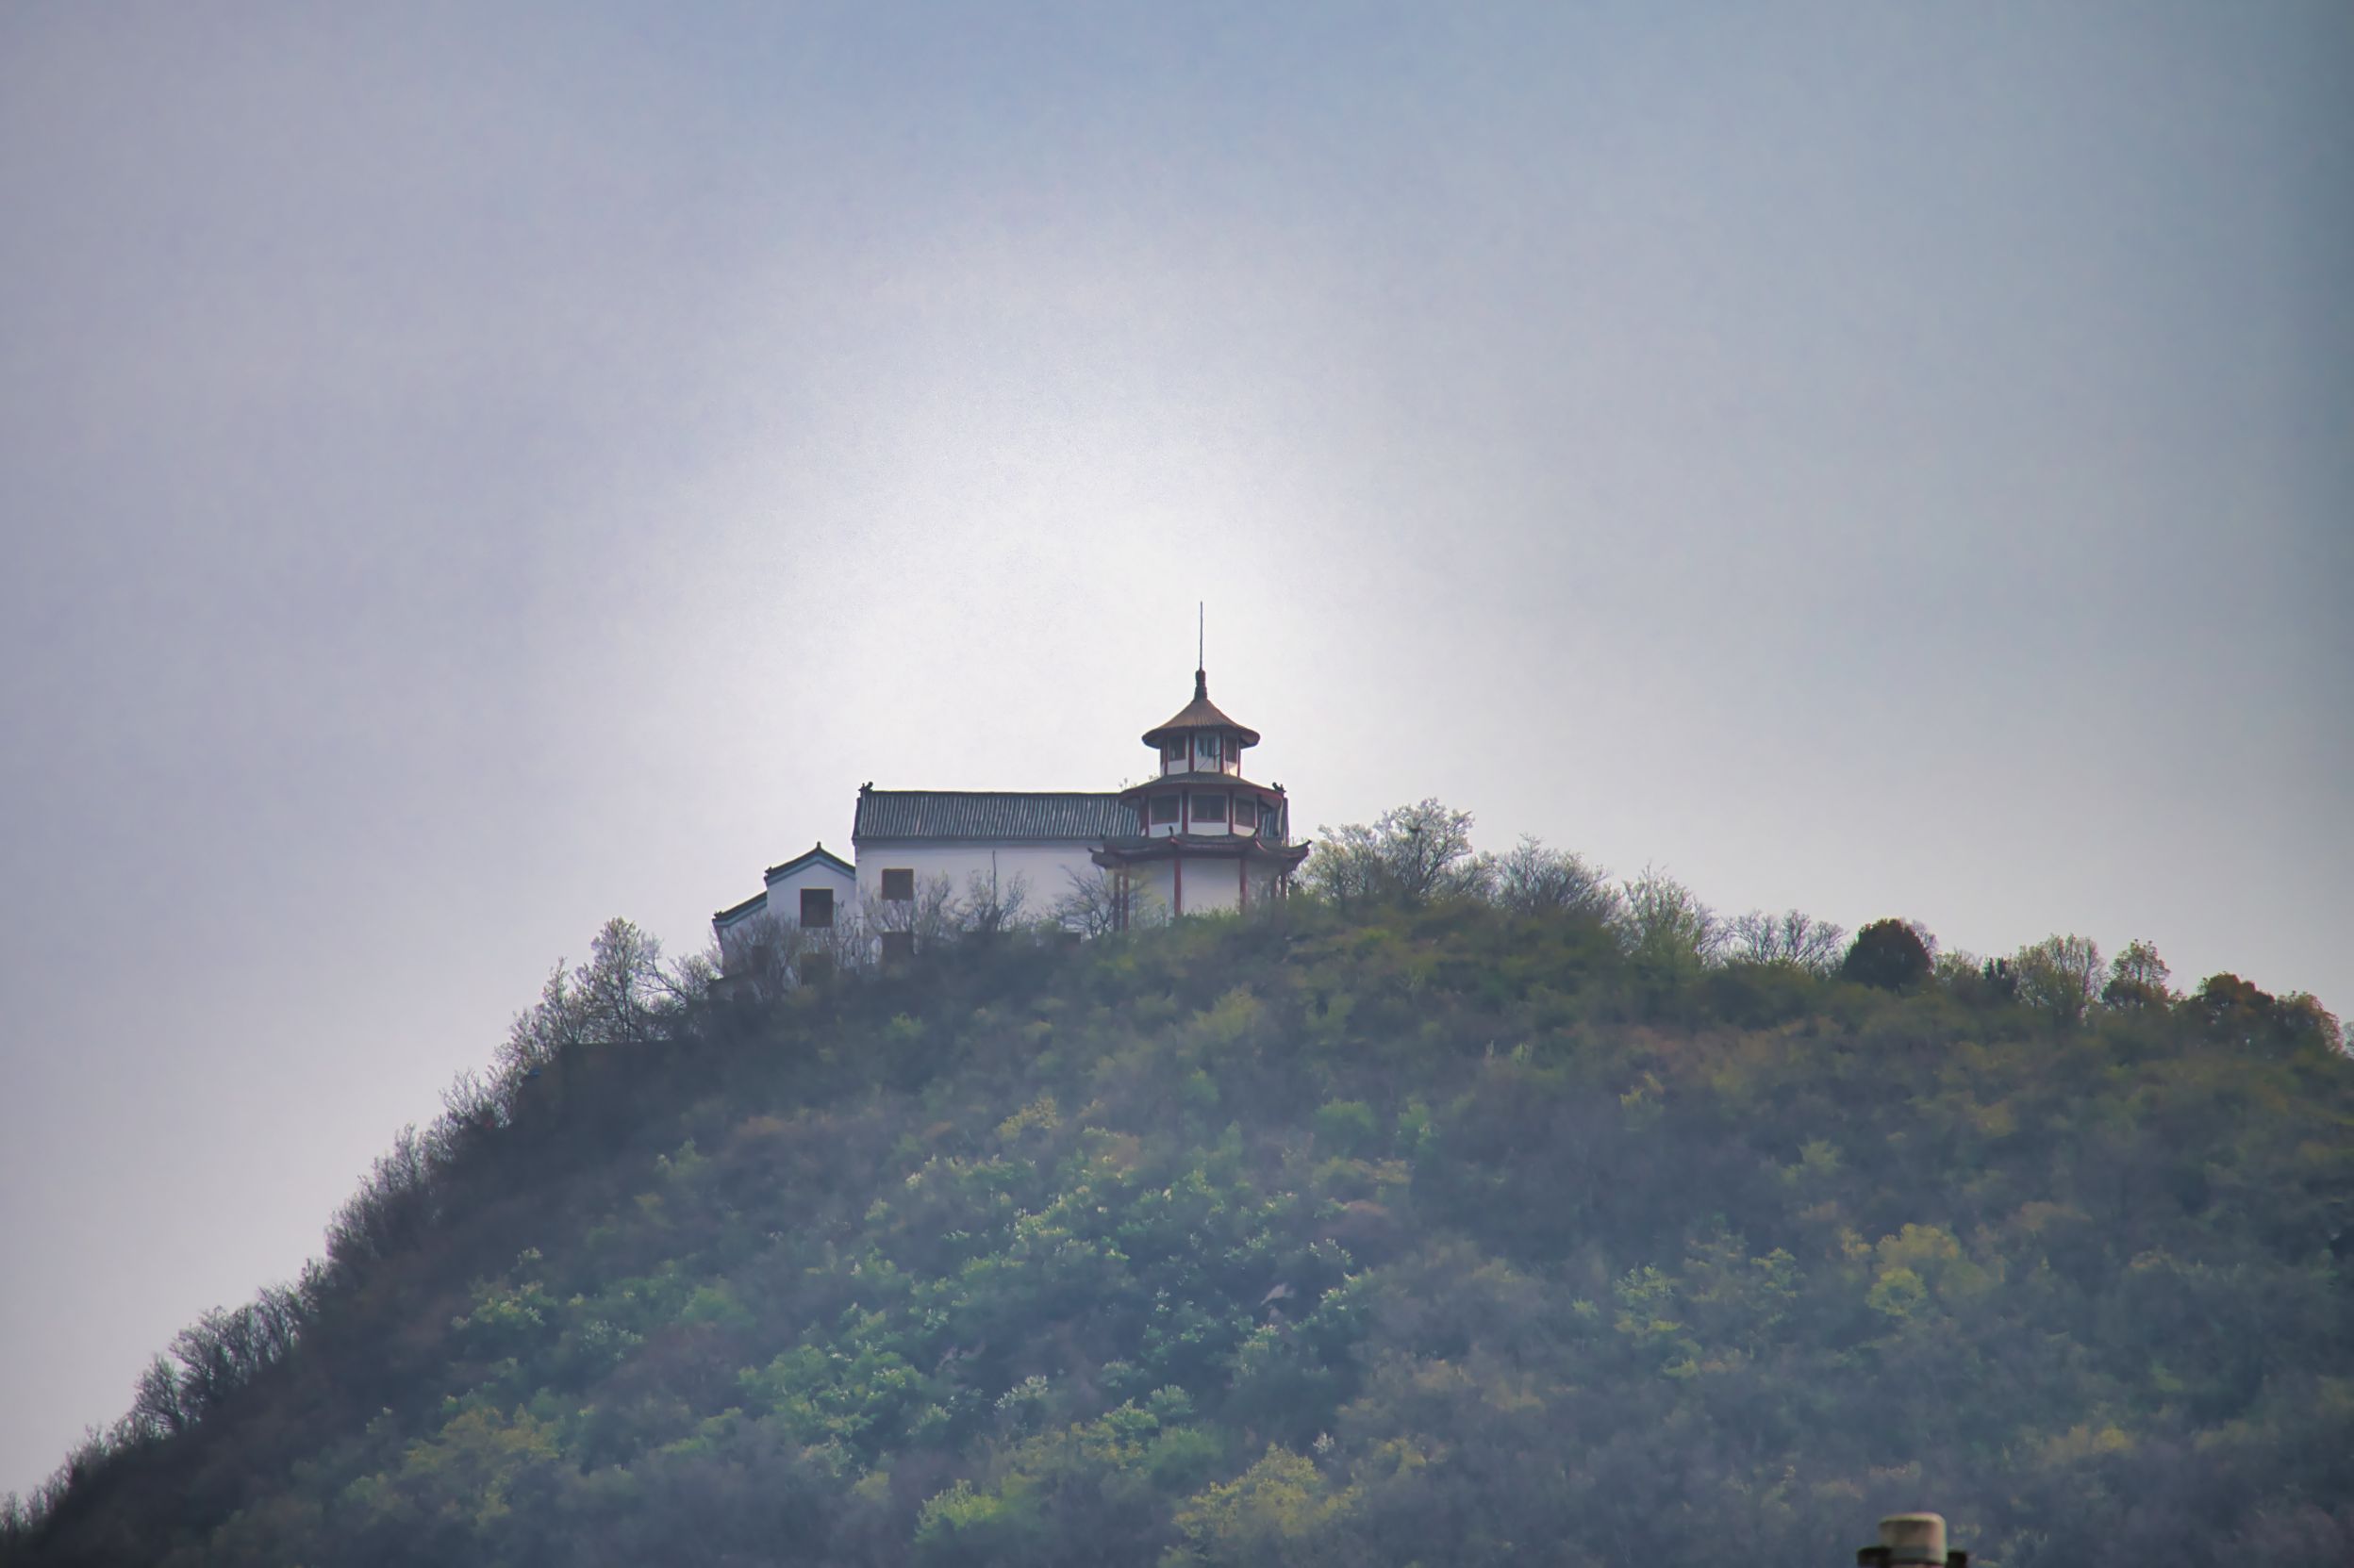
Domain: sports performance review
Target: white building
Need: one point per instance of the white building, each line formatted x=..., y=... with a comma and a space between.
x=1197, y=837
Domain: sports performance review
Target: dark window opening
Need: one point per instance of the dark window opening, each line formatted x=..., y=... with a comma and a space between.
x=1209, y=808
x=1246, y=813
x=899, y=885
x=1165, y=808
x=817, y=908
x=1209, y=750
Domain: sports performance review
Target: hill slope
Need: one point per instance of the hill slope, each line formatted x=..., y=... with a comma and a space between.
x=1446, y=1237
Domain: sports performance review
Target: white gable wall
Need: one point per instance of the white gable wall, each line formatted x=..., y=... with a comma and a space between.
x=784, y=891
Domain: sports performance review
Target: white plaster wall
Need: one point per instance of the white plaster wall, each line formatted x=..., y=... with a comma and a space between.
x=736, y=933
x=1211, y=886
x=784, y=892
x=1152, y=892
x=1042, y=868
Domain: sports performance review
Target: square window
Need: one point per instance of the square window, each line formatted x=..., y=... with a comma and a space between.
x=1209, y=808
x=899, y=885
x=1165, y=808
x=1246, y=813
x=817, y=908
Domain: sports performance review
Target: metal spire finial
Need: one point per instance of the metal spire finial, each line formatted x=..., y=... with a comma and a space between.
x=1201, y=647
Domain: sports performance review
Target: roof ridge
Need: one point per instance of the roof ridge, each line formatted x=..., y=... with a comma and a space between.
x=1038, y=793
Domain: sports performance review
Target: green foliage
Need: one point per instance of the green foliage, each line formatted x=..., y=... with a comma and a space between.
x=1409, y=856
x=1438, y=1231
x=2061, y=975
x=1888, y=954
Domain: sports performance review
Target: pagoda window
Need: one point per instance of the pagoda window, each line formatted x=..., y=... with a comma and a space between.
x=1209, y=808
x=1208, y=749
x=817, y=908
x=1246, y=813
x=1165, y=808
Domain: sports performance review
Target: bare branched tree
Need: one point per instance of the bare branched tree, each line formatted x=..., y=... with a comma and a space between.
x=621, y=995
x=1664, y=928
x=622, y=987
x=1792, y=937
x=993, y=904
x=1092, y=907
x=395, y=1204
x=912, y=925
x=1532, y=878
x=159, y=1408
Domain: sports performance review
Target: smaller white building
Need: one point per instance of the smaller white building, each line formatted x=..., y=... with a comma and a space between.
x=812, y=890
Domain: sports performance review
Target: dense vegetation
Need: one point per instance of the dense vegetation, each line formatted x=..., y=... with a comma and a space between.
x=1455, y=1218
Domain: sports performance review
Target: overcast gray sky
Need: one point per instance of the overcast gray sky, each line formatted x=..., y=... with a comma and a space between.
x=471, y=471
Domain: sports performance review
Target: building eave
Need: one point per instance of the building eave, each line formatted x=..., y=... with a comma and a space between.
x=1202, y=781
x=1128, y=852
x=750, y=907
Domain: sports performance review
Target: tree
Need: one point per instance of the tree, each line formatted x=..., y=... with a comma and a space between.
x=1668, y=934
x=1890, y=954
x=1411, y=855
x=2059, y=975
x=619, y=997
x=1090, y=908
x=1976, y=982
x=395, y=1204
x=2137, y=979
x=992, y=906
x=1792, y=938
x=2236, y=1009
x=159, y=1408
x=1533, y=880
x=932, y=917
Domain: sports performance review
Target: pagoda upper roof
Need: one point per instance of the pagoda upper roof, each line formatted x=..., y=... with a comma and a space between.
x=1201, y=714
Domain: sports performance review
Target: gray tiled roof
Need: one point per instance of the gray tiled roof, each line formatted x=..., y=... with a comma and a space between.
x=988, y=814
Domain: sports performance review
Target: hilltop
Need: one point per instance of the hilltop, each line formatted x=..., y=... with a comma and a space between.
x=1428, y=1220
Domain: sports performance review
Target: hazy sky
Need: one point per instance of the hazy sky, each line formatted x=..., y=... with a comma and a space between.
x=468, y=472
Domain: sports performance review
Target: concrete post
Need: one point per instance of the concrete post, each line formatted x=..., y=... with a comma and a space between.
x=1912, y=1541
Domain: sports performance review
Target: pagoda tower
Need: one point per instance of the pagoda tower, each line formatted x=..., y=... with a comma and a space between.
x=1207, y=839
